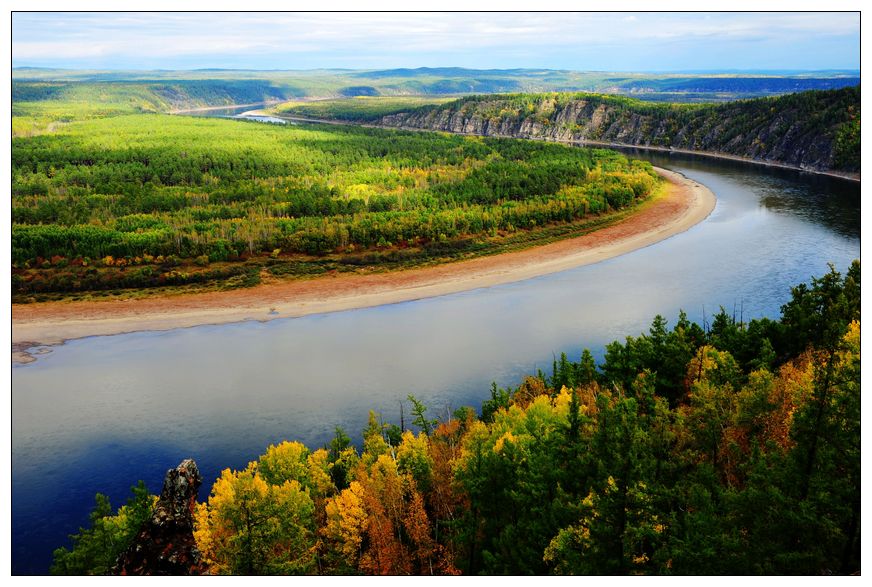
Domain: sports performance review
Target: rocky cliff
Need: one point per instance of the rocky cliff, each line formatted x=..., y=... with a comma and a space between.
x=816, y=130
x=165, y=544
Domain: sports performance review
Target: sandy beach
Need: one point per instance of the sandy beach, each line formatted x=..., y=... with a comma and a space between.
x=685, y=204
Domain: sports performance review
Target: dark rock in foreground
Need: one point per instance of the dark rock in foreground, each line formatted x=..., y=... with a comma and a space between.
x=165, y=544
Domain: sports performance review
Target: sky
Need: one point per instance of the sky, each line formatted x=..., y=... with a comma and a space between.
x=577, y=41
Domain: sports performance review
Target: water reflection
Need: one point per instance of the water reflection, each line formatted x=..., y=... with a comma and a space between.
x=822, y=199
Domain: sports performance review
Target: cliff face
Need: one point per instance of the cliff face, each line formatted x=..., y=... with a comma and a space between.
x=165, y=544
x=812, y=130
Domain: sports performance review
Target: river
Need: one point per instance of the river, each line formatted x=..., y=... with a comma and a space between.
x=238, y=113
x=98, y=414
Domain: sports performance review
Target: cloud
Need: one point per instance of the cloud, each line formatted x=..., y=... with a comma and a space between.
x=64, y=38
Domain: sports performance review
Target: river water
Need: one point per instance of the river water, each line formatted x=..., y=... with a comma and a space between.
x=98, y=414
x=239, y=113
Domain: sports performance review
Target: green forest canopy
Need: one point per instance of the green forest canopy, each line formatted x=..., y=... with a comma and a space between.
x=141, y=189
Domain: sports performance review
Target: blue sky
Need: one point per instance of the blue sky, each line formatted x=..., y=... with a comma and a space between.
x=579, y=41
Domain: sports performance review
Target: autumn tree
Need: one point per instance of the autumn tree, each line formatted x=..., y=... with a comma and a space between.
x=251, y=527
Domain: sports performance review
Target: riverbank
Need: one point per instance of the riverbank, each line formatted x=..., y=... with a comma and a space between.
x=723, y=157
x=684, y=204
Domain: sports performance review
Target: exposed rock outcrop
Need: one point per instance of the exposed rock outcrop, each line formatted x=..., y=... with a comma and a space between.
x=810, y=130
x=165, y=544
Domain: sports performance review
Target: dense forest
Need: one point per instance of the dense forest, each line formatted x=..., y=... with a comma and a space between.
x=728, y=448
x=151, y=200
x=110, y=197
x=818, y=130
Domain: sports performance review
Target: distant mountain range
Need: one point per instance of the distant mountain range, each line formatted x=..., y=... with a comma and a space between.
x=680, y=87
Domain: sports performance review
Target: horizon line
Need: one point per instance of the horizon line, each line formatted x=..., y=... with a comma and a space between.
x=485, y=69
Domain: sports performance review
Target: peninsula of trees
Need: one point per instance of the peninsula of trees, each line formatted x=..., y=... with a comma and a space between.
x=109, y=195
x=133, y=201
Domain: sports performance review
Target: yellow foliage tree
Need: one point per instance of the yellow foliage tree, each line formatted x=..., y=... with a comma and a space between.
x=345, y=527
x=249, y=526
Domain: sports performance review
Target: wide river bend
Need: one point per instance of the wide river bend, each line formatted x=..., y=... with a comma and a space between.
x=98, y=414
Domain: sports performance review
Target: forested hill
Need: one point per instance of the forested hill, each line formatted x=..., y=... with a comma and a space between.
x=816, y=130
x=147, y=95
